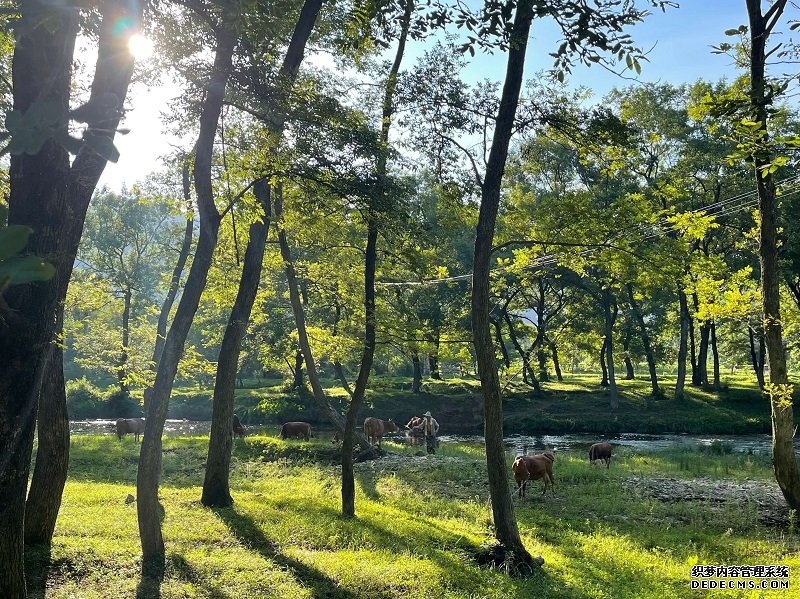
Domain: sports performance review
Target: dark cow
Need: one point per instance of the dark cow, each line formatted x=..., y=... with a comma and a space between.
x=375, y=429
x=290, y=430
x=600, y=451
x=533, y=467
x=130, y=425
x=238, y=429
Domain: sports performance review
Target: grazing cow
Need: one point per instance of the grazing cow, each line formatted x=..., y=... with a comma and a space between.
x=533, y=467
x=130, y=425
x=238, y=429
x=600, y=451
x=296, y=429
x=375, y=429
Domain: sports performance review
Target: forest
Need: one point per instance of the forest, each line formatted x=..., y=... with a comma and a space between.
x=347, y=223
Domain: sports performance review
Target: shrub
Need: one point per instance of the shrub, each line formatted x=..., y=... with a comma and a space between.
x=84, y=400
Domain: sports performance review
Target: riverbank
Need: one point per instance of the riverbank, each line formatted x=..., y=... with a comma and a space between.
x=420, y=522
x=578, y=404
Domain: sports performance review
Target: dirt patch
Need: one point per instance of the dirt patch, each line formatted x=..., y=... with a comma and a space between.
x=772, y=508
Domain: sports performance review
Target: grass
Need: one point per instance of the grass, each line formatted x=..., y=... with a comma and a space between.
x=416, y=530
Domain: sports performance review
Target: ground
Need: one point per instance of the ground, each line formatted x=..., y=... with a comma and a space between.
x=602, y=533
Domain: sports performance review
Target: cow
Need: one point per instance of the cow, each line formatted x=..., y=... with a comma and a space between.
x=130, y=425
x=600, y=451
x=533, y=467
x=415, y=422
x=238, y=429
x=291, y=430
x=375, y=429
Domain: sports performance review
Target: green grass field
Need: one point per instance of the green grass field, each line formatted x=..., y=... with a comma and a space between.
x=419, y=521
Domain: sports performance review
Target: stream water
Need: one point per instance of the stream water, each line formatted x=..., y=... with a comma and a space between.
x=640, y=442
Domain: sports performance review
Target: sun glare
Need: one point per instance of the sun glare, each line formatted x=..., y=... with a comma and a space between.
x=140, y=47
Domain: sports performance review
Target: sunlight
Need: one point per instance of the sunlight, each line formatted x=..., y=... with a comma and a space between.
x=140, y=46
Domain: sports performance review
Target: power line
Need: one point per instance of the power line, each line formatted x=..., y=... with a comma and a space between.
x=728, y=206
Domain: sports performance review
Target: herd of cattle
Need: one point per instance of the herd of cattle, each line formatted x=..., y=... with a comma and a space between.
x=525, y=467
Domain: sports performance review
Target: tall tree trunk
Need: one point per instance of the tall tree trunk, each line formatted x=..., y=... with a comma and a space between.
x=692, y=348
x=715, y=354
x=528, y=375
x=783, y=455
x=541, y=358
x=505, y=522
x=416, y=381
x=51, y=198
x=370, y=261
x=177, y=272
x=610, y=317
x=147, y=481
x=757, y=359
x=498, y=335
x=648, y=348
x=299, y=380
x=630, y=374
x=433, y=363
x=216, y=486
x=556, y=363
x=685, y=320
x=52, y=455
x=604, y=363
x=320, y=399
x=702, y=355
x=337, y=365
x=122, y=365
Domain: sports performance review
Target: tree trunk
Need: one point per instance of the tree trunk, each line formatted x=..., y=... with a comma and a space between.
x=433, y=363
x=541, y=357
x=603, y=363
x=498, y=335
x=611, y=316
x=416, y=382
x=648, y=349
x=527, y=372
x=702, y=355
x=177, y=272
x=556, y=363
x=685, y=321
x=692, y=348
x=51, y=198
x=299, y=380
x=783, y=455
x=216, y=486
x=122, y=365
x=505, y=522
x=52, y=455
x=757, y=359
x=715, y=355
x=630, y=374
x=147, y=482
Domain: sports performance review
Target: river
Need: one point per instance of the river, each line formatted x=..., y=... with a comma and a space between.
x=640, y=442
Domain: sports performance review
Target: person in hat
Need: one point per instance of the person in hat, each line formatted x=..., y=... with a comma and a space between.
x=430, y=428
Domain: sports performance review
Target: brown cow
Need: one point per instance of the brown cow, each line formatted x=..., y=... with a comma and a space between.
x=533, y=467
x=600, y=451
x=375, y=429
x=238, y=429
x=296, y=429
x=130, y=425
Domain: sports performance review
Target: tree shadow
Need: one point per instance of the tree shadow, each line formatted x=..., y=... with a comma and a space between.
x=367, y=482
x=187, y=572
x=38, y=566
x=152, y=576
x=248, y=532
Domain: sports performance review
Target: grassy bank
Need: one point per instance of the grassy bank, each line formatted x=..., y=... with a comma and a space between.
x=577, y=404
x=419, y=521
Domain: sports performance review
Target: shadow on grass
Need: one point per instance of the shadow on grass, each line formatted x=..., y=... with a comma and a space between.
x=248, y=532
x=38, y=566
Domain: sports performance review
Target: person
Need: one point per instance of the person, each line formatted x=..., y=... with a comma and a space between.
x=430, y=427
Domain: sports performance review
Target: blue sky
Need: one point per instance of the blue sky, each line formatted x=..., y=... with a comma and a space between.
x=682, y=40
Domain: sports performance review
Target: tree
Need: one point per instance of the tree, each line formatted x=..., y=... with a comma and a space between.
x=50, y=196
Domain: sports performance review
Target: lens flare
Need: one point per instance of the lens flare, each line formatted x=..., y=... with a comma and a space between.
x=140, y=47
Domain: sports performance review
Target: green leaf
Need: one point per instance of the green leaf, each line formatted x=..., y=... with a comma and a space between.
x=25, y=269
x=12, y=239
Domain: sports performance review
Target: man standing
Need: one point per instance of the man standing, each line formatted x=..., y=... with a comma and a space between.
x=430, y=427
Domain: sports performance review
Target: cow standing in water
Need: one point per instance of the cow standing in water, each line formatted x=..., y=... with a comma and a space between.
x=130, y=425
x=600, y=451
x=375, y=429
x=296, y=429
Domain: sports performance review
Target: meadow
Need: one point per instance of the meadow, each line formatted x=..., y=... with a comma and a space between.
x=421, y=520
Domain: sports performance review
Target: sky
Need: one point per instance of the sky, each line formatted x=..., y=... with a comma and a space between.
x=680, y=39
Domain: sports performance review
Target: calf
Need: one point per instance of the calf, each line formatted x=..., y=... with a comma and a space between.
x=296, y=429
x=375, y=429
x=533, y=467
x=600, y=451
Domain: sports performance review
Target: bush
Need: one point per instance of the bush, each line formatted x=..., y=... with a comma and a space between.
x=119, y=405
x=84, y=400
